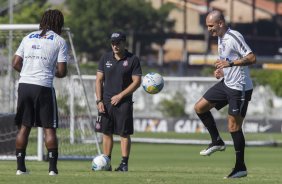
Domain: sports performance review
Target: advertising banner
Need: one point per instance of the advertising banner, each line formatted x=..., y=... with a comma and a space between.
x=179, y=125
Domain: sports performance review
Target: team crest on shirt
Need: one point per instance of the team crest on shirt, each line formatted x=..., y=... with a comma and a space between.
x=222, y=48
x=125, y=63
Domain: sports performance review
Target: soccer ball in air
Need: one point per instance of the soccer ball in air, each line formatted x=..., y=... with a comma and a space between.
x=101, y=163
x=153, y=83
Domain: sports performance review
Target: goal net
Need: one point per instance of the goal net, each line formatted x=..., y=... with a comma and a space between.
x=76, y=135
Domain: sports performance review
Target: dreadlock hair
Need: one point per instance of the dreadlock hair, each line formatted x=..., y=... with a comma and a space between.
x=51, y=20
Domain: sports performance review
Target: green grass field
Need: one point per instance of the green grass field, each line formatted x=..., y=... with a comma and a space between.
x=205, y=136
x=158, y=164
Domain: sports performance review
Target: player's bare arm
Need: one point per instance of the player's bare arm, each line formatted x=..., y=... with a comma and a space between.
x=61, y=69
x=247, y=60
x=99, y=91
x=244, y=61
x=136, y=82
x=17, y=63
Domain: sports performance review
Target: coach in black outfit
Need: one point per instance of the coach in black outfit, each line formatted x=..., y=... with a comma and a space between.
x=118, y=76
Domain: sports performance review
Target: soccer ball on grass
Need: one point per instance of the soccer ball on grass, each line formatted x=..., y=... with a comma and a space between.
x=101, y=163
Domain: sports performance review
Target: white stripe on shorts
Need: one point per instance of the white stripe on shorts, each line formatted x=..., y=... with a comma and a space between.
x=54, y=109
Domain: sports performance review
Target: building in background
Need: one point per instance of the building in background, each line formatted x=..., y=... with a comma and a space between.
x=259, y=20
x=237, y=12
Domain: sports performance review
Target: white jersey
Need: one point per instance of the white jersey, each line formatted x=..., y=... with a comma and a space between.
x=40, y=56
x=232, y=46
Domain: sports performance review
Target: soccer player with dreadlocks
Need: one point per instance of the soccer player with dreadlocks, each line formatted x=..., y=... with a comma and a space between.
x=41, y=56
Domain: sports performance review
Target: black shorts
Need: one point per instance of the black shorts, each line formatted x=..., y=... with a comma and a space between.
x=37, y=106
x=117, y=120
x=221, y=95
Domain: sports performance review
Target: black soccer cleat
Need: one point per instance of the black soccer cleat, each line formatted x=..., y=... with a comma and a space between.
x=122, y=167
x=237, y=173
x=53, y=172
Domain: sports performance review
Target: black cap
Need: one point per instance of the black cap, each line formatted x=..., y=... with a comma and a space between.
x=117, y=37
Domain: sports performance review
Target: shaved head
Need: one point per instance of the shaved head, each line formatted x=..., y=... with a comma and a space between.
x=216, y=23
x=216, y=16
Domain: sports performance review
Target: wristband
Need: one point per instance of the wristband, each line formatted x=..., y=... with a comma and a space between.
x=98, y=101
x=231, y=64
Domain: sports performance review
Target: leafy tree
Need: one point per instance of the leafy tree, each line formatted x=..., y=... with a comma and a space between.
x=27, y=12
x=271, y=78
x=93, y=21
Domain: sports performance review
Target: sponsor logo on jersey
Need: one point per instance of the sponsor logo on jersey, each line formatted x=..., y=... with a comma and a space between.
x=108, y=64
x=48, y=37
x=36, y=57
x=36, y=46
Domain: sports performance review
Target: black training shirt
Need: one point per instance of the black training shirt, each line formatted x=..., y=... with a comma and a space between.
x=118, y=73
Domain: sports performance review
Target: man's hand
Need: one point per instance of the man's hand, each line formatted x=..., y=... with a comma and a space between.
x=218, y=73
x=116, y=99
x=219, y=64
x=101, y=107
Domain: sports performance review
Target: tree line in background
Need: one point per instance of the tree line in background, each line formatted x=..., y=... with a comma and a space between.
x=92, y=22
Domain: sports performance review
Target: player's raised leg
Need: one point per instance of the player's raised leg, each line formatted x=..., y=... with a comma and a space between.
x=202, y=108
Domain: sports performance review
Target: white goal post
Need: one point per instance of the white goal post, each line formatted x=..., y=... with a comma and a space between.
x=8, y=33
